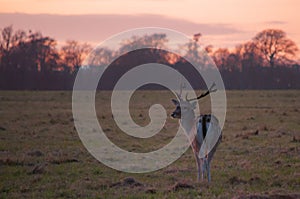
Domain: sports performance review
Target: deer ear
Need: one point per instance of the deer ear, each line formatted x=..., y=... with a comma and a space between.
x=175, y=102
x=194, y=104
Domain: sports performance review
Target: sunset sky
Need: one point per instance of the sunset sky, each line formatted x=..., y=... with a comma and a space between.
x=223, y=23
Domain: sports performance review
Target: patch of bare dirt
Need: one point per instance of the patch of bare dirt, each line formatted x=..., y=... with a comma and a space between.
x=181, y=185
x=36, y=153
x=38, y=169
x=2, y=128
x=247, y=134
x=235, y=180
x=151, y=190
x=64, y=160
x=127, y=182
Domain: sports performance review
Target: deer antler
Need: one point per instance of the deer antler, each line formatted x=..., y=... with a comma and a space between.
x=210, y=90
x=180, y=92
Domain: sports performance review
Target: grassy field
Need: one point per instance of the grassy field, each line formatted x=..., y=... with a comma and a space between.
x=41, y=155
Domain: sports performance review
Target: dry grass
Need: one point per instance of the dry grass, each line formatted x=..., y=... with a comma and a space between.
x=41, y=155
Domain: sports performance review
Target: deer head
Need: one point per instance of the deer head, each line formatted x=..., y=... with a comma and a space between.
x=186, y=107
x=183, y=108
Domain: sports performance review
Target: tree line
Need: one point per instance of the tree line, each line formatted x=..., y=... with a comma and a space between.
x=29, y=60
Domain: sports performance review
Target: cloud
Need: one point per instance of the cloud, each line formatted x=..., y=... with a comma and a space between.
x=276, y=22
x=95, y=28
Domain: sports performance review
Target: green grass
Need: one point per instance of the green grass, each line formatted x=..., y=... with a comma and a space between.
x=38, y=130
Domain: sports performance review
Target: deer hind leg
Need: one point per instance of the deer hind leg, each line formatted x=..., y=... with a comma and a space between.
x=202, y=165
x=198, y=161
x=208, y=170
x=204, y=168
x=197, y=164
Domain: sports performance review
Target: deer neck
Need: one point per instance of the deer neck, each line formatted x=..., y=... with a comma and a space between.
x=187, y=122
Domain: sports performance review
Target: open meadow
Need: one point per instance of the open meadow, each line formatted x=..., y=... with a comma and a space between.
x=41, y=155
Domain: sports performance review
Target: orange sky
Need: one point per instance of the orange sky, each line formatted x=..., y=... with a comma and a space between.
x=248, y=17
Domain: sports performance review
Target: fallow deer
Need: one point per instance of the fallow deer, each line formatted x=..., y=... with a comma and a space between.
x=196, y=129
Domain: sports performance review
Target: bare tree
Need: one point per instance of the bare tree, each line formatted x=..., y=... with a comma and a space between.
x=100, y=57
x=10, y=38
x=220, y=57
x=10, y=43
x=209, y=49
x=275, y=46
x=193, y=51
x=6, y=37
x=158, y=40
x=73, y=54
x=44, y=52
x=5, y=46
x=249, y=56
x=197, y=53
x=197, y=37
